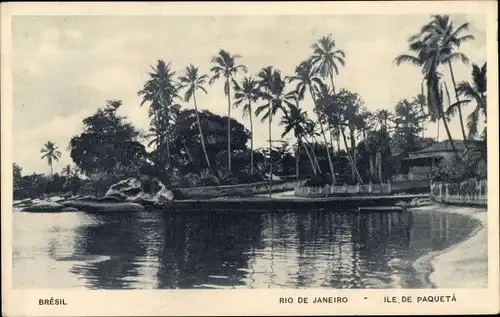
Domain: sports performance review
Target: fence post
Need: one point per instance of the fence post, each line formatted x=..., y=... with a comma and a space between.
x=389, y=187
x=358, y=189
x=345, y=188
x=370, y=187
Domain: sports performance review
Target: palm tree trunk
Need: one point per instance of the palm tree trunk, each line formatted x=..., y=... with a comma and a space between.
x=270, y=152
x=360, y=180
x=437, y=137
x=51, y=169
x=297, y=154
x=201, y=132
x=188, y=152
x=456, y=95
x=304, y=145
x=334, y=180
x=228, y=124
x=318, y=168
x=251, y=141
x=338, y=141
x=168, y=152
x=333, y=85
x=352, y=149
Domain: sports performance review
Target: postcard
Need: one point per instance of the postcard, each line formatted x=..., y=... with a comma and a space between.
x=253, y=158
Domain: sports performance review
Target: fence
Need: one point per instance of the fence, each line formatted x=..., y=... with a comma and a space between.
x=384, y=188
x=470, y=192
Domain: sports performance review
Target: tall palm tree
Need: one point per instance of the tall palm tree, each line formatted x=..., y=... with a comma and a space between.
x=192, y=80
x=326, y=57
x=342, y=111
x=475, y=91
x=295, y=119
x=421, y=101
x=383, y=116
x=312, y=131
x=247, y=94
x=225, y=65
x=160, y=90
x=450, y=39
x=277, y=99
x=428, y=56
x=306, y=80
x=51, y=153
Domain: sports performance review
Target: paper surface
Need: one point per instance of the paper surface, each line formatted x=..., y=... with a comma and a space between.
x=61, y=61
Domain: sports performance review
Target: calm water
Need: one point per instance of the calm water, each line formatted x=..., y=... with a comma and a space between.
x=223, y=250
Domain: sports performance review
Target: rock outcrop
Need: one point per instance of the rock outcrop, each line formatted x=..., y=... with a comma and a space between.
x=143, y=191
x=44, y=206
x=99, y=206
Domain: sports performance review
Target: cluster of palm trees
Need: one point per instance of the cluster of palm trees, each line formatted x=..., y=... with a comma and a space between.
x=340, y=114
x=434, y=49
x=266, y=95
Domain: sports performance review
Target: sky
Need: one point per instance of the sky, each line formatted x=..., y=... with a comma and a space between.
x=66, y=67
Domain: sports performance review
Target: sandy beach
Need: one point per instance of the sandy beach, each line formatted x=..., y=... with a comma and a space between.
x=463, y=265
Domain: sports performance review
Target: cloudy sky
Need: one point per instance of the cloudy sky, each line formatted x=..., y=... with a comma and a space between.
x=65, y=67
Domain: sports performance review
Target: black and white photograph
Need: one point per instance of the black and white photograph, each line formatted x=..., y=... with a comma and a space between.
x=209, y=152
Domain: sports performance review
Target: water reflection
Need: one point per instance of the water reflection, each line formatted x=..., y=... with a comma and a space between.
x=228, y=250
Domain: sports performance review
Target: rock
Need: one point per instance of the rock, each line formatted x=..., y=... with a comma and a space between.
x=114, y=198
x=144, y=191
x=18, y=203
x=55, y=199
x=85, y=258
x=68, y=209
x=83, y=198
x=44, y=206
x=100, y=206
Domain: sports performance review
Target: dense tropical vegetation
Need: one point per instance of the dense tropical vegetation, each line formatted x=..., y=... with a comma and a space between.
x=341, y=141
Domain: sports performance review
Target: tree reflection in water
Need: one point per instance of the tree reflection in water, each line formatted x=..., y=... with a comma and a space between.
x=207, y=249
x=252, y=250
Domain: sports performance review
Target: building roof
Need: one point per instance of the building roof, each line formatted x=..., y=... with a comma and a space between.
x=440, y=149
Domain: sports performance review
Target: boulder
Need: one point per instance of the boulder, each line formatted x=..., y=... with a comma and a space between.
x=100, y=206
x=68, y=209
x=44, y=206
x=22, y=202
x=56, y=199
x=144, y=191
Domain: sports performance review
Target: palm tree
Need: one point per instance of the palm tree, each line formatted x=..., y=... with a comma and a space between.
x=247, y=94
x=312, y=131
x=276, y=98
x=193, y=81
x=408, y=124
x=450, y=39
x=295, y=119
x=67, y=171
x=306, y=80
x=51, y=153
x=225, y=65
x=428, y=56
x=325, y=58
x=160, y=91
x=420, y=100
x=474, y=91
x=383, y=117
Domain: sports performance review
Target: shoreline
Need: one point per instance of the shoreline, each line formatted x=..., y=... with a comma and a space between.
x=461, y=265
